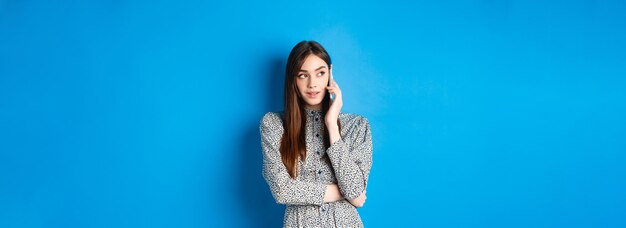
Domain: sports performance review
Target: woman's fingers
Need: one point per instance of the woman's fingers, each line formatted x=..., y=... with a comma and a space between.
x=335, y=83
x=331, y=77
x=335, y=102
x=359, y=201
x=334, y=88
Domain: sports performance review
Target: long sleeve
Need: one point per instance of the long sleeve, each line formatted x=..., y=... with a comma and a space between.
x=352, y=162
x=284, y=189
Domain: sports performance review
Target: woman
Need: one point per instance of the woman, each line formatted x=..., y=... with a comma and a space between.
x=316, y=160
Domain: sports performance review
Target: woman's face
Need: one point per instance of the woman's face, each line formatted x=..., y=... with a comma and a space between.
x=312, y=80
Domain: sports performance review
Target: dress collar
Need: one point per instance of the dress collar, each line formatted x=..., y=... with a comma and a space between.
x=312, y=112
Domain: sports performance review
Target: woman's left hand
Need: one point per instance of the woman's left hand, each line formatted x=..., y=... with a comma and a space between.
x=335, y=106
x=359, y=201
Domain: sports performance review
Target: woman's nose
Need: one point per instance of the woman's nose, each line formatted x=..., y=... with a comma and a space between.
x=312, y=84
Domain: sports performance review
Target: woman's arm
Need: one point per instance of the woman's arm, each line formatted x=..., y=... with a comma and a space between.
x=351, y=167
x=332, y=193
x=285, y=189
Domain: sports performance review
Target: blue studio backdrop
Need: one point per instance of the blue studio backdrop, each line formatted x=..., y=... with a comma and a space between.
x=146, y=113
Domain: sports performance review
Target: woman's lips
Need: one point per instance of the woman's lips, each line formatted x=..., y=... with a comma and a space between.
x=312, y=94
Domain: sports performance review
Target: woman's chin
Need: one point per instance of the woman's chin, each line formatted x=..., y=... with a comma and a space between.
x=314, y=103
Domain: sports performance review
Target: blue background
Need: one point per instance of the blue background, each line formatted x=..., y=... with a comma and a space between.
x=145, y=113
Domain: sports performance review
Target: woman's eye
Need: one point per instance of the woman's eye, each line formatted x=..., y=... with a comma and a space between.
x=321, y=73
x=302, y=76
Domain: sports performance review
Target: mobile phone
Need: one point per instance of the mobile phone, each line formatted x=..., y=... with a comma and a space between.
x=332, y=95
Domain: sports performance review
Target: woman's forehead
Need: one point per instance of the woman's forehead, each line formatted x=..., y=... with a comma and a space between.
x=313, y=62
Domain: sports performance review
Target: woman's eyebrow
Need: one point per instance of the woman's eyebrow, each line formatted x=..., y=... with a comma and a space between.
x=319, y=68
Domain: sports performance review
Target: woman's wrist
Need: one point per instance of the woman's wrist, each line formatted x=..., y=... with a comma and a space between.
x=333, y=134
x=332, y=125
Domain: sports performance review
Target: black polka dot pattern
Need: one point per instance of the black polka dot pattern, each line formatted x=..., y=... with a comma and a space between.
x=346, y=163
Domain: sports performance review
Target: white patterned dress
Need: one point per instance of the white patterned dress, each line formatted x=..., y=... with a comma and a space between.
x=347, y=164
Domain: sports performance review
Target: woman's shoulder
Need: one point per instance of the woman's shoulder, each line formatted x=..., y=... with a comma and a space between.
x=271, y=127
x=275, y=120
x=272, y=120
x=353, y=120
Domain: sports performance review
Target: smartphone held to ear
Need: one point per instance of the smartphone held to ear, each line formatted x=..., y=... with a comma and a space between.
x=330, y=83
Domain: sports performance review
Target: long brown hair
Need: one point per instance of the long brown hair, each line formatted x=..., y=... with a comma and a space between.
x=293, y=144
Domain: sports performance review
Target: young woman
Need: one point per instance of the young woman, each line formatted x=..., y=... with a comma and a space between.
x=316, y=160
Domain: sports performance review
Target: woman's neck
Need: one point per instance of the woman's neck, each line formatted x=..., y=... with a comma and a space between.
x=316, y=107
